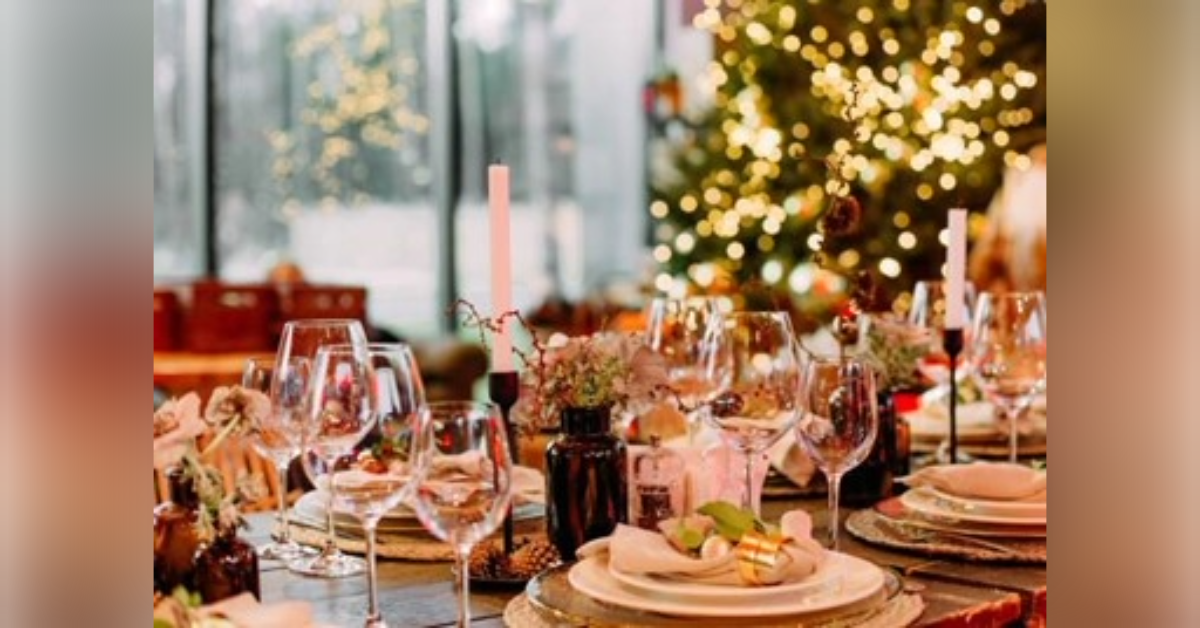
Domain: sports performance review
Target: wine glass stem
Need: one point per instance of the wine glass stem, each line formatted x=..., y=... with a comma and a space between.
x=748, y=494
x=285, y=534
x=835, y=489
x=331, y=541
x=374, y=617
x=464, y=585
x=1012, y=415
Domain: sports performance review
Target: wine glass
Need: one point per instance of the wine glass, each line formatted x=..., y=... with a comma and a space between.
x=751, y=365
x=302, y=339
x=841, y=423
x=929, y=313
x=378, y=472
x=676, y=331
x=1008, y=354
x=278, y=439
x=467, y=484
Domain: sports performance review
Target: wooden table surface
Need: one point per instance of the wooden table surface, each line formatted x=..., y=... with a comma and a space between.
x=422, y=594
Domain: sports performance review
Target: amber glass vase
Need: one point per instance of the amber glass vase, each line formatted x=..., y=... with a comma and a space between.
x=175, y=540
x=225, y=568
x=587, y=488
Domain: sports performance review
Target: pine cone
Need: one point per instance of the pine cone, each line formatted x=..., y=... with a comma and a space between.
x=534, y=558
x=488, y=561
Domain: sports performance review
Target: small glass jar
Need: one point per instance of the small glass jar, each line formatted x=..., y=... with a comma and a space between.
x=659, y=485
x=175, y=539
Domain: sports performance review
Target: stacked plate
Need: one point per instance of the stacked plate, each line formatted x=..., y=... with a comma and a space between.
x=979, y=431
x=842, y=582
x=309, y=510
x=934, y=508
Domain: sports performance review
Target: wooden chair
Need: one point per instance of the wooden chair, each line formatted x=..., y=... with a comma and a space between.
x=228, y=318
x=166, y=320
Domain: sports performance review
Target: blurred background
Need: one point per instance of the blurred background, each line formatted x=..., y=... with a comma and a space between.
x=656, y=146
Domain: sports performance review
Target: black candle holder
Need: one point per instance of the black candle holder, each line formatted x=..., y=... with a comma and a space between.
x=952, y=341
x=504, y=389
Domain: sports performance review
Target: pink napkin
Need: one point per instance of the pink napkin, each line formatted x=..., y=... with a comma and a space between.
x=999, y=481
x=636, y=551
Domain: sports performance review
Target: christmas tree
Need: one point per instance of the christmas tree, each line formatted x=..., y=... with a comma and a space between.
x=841, y=132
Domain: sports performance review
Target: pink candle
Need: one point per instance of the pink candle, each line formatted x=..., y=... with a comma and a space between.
x=956, y=270
x=498, y=195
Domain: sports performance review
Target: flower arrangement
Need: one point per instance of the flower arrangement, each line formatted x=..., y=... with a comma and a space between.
x=612, y=369
x=895, y=346
x=606, y=369
x=178, y=429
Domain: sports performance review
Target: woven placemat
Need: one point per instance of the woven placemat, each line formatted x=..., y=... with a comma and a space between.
x=415, y=547
x=872, y=527
x=902, y=610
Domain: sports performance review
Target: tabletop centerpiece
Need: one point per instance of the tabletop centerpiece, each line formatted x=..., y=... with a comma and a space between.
x=196, y=543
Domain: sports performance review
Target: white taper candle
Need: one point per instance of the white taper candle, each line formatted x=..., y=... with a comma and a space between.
x=498, y=204
x=956, y=270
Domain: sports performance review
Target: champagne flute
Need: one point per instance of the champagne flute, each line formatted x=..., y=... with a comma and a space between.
x=302, y=339
x=278, y=440
x=751, y=364
x=1008, y=354
x=466, y=488
x=380, y=472
x=841, y=424
x=676, y=330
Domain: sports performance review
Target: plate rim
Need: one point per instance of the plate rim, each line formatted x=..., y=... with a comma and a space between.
x=913, y=500
x=689, y=607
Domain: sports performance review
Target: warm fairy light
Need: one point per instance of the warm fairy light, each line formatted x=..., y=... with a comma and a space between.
x=926, y=112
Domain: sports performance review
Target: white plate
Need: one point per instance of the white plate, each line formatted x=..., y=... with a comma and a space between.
x=825, y=578
x=927, y=502
x=989, y=507
x=859, y=581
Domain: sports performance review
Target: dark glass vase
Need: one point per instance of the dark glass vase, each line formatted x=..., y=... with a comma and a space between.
x=175, y=540
x=874, y=478
x=587, y=488
x=225, y=568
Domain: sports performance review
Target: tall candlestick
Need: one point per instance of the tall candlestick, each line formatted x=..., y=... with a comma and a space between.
x=498, y=200
x=956, y=271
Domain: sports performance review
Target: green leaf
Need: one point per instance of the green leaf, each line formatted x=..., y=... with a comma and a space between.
x=162, y=623
x=732, y=522
x=691, y=538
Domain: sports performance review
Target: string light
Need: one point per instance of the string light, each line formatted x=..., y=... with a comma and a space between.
x=927, y=122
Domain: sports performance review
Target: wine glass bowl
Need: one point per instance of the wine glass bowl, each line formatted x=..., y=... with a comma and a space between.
x=751, y=363
x=841, y=422
x=928, y=312
x=676, y=330
x=1008, y=355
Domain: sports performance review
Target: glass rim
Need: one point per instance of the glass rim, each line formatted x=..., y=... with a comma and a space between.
x=319, y=322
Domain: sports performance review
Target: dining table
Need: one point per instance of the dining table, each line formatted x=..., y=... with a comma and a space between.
x=955, y=593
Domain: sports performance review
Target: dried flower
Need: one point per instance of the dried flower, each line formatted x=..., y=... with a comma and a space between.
x=607, y=369
x=236, y=404
x=177, y=424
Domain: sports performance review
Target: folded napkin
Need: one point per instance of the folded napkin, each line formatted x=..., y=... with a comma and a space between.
x=999, y=481
x=636, y=551
x=242, y=611
x=790, y=461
